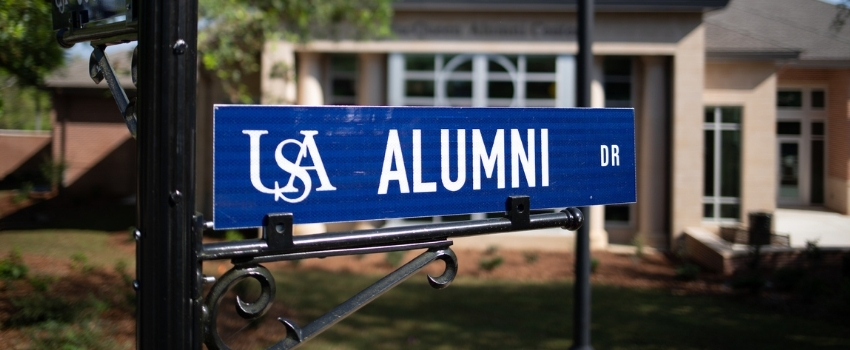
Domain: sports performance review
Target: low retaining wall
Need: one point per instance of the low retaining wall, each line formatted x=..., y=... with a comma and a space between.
x=713, y=253
x=19, y=147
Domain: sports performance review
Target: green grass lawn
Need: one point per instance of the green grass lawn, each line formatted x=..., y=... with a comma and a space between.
x=487, y=314
x=62, y=244
x=477, y=314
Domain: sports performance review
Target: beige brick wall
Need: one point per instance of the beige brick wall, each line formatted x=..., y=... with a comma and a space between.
x=752, y=86
x=687, y=135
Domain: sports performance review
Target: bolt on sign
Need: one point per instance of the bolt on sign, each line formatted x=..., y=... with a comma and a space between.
x=346, y=163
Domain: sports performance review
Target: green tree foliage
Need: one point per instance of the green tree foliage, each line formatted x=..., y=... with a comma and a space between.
x=28, y=52
x=233, y=32
x=23, y=108
x=28, y=49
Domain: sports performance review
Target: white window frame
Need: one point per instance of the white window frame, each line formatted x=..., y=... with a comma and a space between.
x=716, y=199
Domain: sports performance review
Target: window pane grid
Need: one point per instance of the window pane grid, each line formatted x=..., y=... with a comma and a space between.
x=722, y=157
x=479, y=80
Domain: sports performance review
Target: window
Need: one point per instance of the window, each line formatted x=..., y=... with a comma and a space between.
x=722, y=156
x=343, y=80
x=789, y=99
x=481, y=80
x=617, y=81
x=818, y=99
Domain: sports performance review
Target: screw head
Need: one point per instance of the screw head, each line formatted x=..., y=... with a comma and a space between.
x=175, y=197
x=179, y=47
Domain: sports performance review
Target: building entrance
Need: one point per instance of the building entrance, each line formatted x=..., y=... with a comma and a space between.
x=800, y=146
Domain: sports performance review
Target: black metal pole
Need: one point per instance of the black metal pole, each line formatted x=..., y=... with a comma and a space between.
x=581, y=291
x=167, y=310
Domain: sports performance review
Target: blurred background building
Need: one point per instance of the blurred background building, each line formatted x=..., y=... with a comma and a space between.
x=740, y=105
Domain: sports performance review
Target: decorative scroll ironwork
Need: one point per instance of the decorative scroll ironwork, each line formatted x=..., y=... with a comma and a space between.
x=295, y=335
x=249, y=311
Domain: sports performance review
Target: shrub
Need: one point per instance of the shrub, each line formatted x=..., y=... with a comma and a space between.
x=490, y=263
x=594, y=264
x=786, y=279
x=37, y=307
x=813, y=252
x=12, y=267
x=52, y=171
x=23, y=193
x=638, y=243
x=687, y=272
x=41, y=283
x=751, y=281
x=79, y=262
x=530, y=257
x=394, y=258
x=812, y=288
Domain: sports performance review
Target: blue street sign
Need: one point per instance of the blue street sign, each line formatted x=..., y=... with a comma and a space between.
x=347, y=163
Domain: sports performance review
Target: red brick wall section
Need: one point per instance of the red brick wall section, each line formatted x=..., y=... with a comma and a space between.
x=91, y=138
x=17, y=148
x=838, y=133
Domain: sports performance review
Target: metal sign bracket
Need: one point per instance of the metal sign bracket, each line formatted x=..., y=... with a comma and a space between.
x=279, y=244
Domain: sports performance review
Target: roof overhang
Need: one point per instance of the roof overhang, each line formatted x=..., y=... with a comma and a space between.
x=753, y=55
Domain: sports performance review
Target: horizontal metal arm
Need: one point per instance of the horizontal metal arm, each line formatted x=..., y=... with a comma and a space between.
x=570, y=219
x=112, y=32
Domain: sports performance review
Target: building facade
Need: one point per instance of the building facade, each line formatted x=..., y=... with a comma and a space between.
x=89, y=136
x=739, y=107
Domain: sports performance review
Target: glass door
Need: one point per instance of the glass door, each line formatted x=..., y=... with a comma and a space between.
x=801, y=151
x=789, y=172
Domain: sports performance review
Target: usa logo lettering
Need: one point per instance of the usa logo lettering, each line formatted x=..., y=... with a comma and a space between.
x=307, y=149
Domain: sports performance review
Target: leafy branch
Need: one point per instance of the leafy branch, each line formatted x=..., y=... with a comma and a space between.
x=233, y=32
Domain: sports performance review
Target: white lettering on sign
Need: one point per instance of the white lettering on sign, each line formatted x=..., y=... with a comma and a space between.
x=60, y=4
x=479, y=155
x=523, y=154
x=393, y=156
x=461, y=160
x=295, y=170
x=518, y=155
x=418, y=185
x=614, y=155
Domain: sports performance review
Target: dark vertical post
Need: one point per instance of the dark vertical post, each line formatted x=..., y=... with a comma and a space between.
x=581, y=292
x=167, y=314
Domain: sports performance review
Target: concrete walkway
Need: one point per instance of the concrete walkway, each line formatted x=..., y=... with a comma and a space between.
x=827, y=228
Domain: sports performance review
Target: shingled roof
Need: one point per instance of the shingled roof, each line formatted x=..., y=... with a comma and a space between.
x=803, y=31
